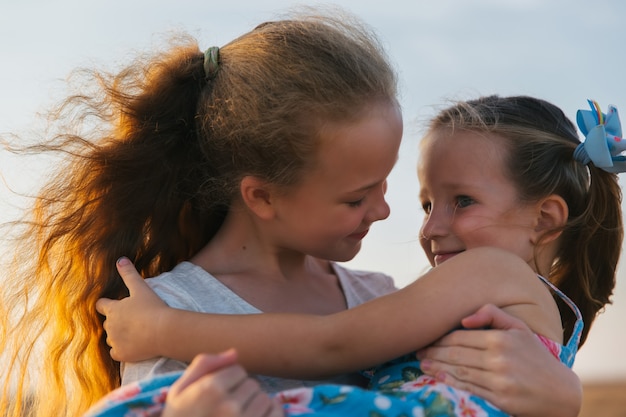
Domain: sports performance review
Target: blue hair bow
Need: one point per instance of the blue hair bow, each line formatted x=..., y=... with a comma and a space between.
x=603, y=142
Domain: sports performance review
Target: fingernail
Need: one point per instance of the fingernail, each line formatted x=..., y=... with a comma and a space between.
x=441, y=376
x=123, y=261
x=229, y=352
x=426, y=364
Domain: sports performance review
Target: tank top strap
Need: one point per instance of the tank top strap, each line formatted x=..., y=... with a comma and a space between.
x=569, y=349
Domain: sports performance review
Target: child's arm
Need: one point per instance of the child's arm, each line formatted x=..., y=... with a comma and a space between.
x=290, y=345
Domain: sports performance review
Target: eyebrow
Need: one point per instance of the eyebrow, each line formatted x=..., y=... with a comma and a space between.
x=365, y=188
x=455, y=184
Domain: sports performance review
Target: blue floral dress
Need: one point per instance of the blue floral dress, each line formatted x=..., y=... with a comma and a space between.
x=397, y=389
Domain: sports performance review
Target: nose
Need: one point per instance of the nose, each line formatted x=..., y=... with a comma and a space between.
x=380, y=210
x=435, y=224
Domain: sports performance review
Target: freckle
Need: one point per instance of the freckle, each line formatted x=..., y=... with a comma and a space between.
x=244, y=248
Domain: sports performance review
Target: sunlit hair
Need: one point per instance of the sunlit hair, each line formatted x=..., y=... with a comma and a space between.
x=539, y=143
x=154, y=157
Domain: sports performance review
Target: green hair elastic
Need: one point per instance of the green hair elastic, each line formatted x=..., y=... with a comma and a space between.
x=211, y=62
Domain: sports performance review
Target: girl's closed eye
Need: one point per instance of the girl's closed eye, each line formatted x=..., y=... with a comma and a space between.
x=356, y=203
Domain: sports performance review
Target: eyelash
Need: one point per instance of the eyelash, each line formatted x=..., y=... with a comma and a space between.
x=356, y=203
x=465, y=199
x=462, y=201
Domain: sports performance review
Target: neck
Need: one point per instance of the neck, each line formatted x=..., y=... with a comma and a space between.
x=241, y=247
x=543, y=260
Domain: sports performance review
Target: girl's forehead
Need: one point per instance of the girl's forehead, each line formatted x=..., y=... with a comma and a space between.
x=468, y=143
x=362, y=152
x=462, y=152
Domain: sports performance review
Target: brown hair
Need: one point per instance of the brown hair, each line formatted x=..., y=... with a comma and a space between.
x=154, y=174
x=540, y=143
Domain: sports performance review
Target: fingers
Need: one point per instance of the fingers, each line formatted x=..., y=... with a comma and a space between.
x=210, y=395
x=458, y=376
x=203, y=365
x=134, y=282
x=137, y=287
x=249, y=392
x=498, y=388
x=276, y=410
x=469, y=369
x=455, y=365
x=261, y=405
x=507, y=366
x=452, y=354
x=490, y=316
x=215, y=386
x=103, y=305
x=253, y=401
x=248, y=400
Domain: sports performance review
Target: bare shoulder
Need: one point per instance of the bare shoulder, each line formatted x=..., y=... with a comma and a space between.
x=485, y=272
x=490, y=262
x=496, y=268
x=516, y=284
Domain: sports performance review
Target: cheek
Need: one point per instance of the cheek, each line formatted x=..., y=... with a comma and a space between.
x=472, y=230
x=463, y=226
x=340, y=224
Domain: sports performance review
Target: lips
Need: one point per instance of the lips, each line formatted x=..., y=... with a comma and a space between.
x=441, y=257
x=360, y=235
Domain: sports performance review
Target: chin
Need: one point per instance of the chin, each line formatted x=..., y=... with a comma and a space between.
x=343, y=256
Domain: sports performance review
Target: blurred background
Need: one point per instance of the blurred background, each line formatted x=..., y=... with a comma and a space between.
x=564, y=51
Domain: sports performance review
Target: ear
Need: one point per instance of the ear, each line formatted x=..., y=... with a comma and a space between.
x=552, y=214
x=257, y=194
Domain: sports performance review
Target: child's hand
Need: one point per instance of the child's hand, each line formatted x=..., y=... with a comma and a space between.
x=132, y=324
x=501, y=366
x=215, y=386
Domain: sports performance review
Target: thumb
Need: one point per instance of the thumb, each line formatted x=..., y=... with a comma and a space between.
x=134, y=282
x=103, y=305
x=490, y=316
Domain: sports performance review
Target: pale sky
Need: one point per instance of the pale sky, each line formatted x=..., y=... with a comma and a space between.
x=565, y=51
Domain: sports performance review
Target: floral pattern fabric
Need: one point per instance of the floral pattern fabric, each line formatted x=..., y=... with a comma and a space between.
x=397, y=390
x=145, y=398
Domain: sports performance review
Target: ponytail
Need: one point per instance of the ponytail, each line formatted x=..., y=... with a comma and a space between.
x=591, y=246
x=130, y=190
x=158, y=165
